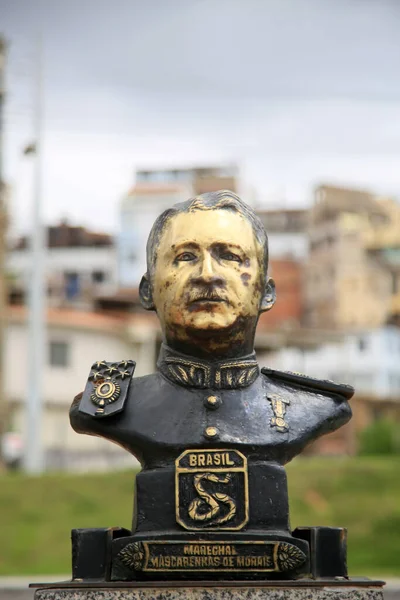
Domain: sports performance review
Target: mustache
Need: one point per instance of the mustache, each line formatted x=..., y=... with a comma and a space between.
x=197, y=294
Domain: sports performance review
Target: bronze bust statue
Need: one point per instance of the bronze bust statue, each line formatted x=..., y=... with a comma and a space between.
x=211, y=428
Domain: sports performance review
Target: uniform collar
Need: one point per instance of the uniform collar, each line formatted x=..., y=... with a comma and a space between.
x=192, y=372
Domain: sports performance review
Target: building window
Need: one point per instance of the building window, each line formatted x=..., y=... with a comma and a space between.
x=362, y=344
x=58, y=354
x=98, y=276
x=330, y=240
x=72, y=285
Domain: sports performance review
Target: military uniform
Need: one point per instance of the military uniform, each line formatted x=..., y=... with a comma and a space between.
x=189, y=403
x=231, y=410
x=268, y=415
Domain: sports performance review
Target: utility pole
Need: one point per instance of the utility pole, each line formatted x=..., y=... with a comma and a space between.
x=33, y=447
x=3, y=228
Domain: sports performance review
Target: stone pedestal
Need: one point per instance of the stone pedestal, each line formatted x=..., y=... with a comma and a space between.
x=278, y=590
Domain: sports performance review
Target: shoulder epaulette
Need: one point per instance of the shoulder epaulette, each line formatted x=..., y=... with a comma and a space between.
x=107, y=388
x=322, y=385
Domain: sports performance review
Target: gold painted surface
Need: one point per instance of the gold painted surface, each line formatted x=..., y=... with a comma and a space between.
x=97, y=375
x=123, y=374
x=106, y=390
x=212, y=500
x=230, y=375
x=278, y=405
x=100, y=363
x=220, y=556
x=209, y=273
x=212, y=400
x=189, y=371
x=211, y=432
x=134, y=555
x=215, y=508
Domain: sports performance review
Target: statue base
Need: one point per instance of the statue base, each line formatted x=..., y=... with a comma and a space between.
x=305, y=589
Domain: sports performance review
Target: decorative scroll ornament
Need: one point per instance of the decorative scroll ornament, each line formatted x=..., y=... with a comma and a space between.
x=224, y=375
x=288, y=557
x=279, y=405
x=133, y=556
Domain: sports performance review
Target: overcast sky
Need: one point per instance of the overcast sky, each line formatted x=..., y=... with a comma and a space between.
x=295, y=91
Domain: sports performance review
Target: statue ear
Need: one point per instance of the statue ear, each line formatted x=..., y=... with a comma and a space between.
x=145, y=295
x=269, y=297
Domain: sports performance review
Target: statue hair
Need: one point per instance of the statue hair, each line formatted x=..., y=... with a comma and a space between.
x=221, y=200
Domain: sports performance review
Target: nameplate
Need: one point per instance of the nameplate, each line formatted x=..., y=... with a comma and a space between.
x=211, y=556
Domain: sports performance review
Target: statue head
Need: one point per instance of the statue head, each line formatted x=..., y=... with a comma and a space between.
x=207, y=275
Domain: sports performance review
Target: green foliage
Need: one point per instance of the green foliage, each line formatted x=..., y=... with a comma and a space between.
x=38, y=513
x=381, y=438
x=362, y=494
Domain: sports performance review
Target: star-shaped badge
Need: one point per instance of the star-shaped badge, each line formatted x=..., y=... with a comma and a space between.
x=96, y=376
x=112, y=370
x=123, y=374
x=125, y=363
x=99, y=364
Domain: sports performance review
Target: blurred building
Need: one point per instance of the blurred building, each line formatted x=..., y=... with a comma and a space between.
x=155, y=191
x=288, y=310
x=287, y=232
x=288, y=245
x=353, y=271
x=367, y=359
x=79, y=265
x=75, y=340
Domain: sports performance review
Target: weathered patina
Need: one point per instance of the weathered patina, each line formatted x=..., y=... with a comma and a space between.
x=211, y=428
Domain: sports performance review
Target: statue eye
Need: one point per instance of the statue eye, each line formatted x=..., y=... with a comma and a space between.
x=230, y=256
x=185, y=257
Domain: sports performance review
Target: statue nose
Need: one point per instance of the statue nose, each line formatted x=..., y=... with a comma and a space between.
x=207, y=273
x=207, y=268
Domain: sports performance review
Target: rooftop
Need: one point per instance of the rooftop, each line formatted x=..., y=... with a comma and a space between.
x=151, y=188
x=64, y=235
x=85, y=320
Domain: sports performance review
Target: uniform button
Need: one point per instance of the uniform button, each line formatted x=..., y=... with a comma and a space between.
x=211, y=432
x=212, y=402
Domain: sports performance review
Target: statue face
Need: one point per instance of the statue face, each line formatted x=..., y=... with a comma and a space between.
x=208, y=274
